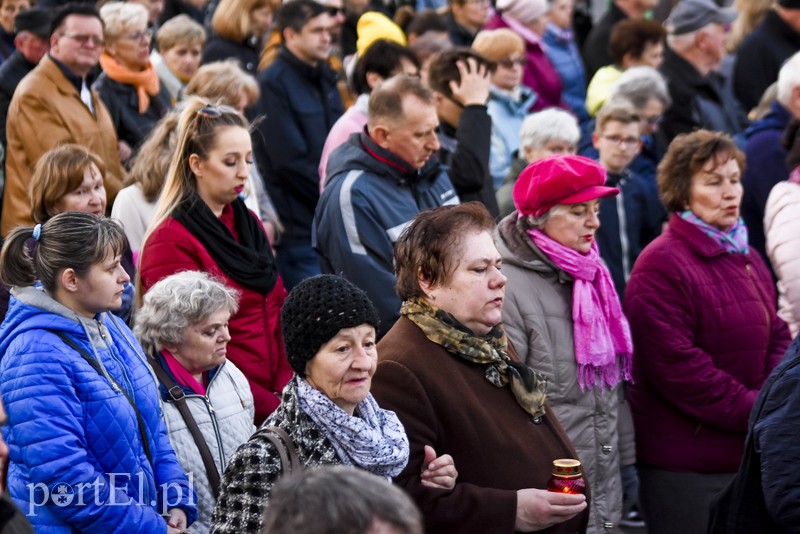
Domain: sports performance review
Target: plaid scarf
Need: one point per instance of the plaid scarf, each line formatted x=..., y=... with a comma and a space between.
x=528, y=386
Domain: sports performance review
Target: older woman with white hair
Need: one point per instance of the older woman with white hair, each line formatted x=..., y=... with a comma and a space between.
x=546, y=133
x=129, y=86
x=207, y=402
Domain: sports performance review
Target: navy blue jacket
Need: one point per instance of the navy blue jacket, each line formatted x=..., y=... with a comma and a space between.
x=246, y=53
x=775, y=432
x=760, y=57
x=627, y=223
x=370, y=197
x=11, y=73
x=766, y=166
x=301, y=104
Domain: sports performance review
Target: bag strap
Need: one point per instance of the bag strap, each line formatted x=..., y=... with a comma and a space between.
x=96, y=366
x=290, y=462
x=179, y=400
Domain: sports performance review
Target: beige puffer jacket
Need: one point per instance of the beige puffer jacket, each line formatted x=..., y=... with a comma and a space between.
x=782, y=230
x=537, y=315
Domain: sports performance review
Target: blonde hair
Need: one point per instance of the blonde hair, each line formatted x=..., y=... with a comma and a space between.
x=57, y=173
x=751, y=13
x=224, y=82
x=196, y=133
x=231, y=19
x=152, y=162
x=496, y=45
x=182, y=29
x=618, y=110
x=119, y=17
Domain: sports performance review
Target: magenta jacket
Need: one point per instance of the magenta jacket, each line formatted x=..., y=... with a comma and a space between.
x=706, y=336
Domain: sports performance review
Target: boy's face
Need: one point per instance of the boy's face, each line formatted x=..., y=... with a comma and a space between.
x=618, y=144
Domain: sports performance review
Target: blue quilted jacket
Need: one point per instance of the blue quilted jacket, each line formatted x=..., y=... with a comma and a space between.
x=77, y=463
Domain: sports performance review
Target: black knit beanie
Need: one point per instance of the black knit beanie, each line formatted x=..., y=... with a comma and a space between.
x=315, y=311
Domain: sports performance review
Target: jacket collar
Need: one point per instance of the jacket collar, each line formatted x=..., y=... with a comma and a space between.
x=320, y=71
x=397, y=168
x=517, y=248
x=700, y=243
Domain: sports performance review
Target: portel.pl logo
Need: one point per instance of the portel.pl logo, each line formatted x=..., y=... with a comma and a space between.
x=115, y=489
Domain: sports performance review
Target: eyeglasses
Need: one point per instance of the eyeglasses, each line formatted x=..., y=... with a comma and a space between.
x=654, y=121
x=83, y=39
x=624, y=141
x=334, y=11
x=509, y=63
x=138, y=36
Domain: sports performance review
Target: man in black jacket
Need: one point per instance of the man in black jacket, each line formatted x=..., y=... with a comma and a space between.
x=301, y=103
x=762, y=53
x=595, y=49
x=701, y=98
x=32, y=29
x=461, y=80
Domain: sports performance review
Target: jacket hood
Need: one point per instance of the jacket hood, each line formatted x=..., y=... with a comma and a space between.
x=360, y=153
x=776, y=119
x=517, y=249
x=33, y=308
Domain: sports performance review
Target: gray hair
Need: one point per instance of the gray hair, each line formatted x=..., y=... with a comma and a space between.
x=119, y=17
x=639, y=85
x=547, y=125
x=338, y=499
x=177, y=302
x=788, y=79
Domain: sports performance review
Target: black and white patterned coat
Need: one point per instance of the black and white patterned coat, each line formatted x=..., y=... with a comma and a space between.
x=256, y=467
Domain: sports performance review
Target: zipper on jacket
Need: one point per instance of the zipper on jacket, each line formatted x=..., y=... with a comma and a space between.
x=152, y=494
x=213, y=416
x=623, y=231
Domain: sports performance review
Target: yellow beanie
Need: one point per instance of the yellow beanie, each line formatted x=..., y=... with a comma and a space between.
x=373, y=26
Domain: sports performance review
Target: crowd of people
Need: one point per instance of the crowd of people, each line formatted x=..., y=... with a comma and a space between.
x=257, y=254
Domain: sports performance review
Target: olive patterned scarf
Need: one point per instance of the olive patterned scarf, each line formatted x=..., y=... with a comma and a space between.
x=528, y=386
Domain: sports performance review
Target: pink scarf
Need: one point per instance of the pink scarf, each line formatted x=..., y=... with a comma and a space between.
x=182, y=376
x=602, y=337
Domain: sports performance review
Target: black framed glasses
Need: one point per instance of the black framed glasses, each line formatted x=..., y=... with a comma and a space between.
x=334, y=11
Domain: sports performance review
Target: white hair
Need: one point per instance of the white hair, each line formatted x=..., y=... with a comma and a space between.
x=119, y=17
x=547, y=125
x=639, y=85
x=788, y=79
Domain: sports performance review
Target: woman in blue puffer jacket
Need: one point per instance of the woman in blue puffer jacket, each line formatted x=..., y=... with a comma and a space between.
x=88, y=448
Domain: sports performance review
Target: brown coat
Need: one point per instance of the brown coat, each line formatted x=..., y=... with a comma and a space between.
x=47, y=111
x=444, y=401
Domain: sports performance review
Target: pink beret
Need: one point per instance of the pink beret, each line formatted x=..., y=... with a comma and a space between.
x=559, y=180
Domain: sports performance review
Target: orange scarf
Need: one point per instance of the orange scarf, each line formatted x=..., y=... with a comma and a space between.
x=146, y=82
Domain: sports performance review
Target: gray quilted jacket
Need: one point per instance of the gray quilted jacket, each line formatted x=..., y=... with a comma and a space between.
x=225, y=419
x=537, y=315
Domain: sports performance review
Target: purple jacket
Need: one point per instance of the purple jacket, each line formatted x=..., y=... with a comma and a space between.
x=706, y=336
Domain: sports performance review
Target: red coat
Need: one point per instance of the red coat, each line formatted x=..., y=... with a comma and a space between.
x=256, y=345
x=705, y=337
